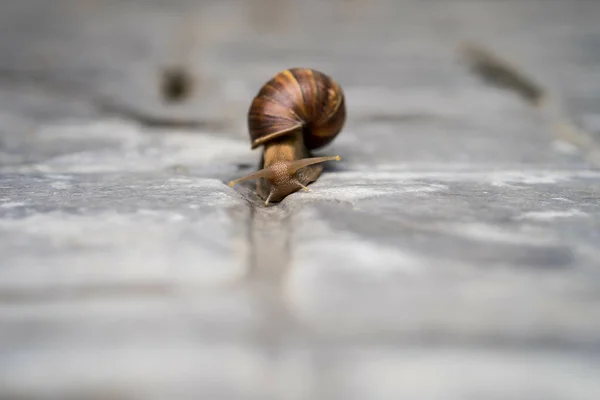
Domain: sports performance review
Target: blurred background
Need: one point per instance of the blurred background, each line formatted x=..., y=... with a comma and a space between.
x=119, y=60
x=451, y=255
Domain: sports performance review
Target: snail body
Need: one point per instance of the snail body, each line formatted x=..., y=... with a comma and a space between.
x=297, y=111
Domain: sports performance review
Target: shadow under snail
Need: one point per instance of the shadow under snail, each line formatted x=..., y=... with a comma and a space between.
x=295, y=112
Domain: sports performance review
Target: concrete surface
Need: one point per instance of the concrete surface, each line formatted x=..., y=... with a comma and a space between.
x=452, y=254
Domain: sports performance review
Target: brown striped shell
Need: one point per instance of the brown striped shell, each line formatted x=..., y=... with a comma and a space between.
x=298, y=98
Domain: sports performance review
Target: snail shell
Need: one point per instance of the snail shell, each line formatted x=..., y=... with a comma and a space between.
x=297, y=98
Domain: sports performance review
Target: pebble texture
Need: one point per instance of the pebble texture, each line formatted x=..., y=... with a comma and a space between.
x=452, y=253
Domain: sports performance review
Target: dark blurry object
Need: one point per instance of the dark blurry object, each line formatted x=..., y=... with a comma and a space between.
x=498, y=72
x=295, y=112
x=176, y=84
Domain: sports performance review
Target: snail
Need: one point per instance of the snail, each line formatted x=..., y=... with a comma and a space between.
x=295, y=112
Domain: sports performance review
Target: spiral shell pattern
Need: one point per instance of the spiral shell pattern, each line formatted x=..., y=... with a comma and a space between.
x=297, y=99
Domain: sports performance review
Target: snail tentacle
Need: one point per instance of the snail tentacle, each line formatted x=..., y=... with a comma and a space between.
x=263, y=173
x=294, y=166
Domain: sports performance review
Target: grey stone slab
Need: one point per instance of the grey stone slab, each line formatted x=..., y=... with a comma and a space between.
x=490, y=256
x=117, y=145
x=388, y=375
x=74, y=231
x=239, y=372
